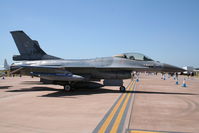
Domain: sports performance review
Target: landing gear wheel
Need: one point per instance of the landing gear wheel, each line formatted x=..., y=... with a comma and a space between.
x=67, y=87
x=122, y=89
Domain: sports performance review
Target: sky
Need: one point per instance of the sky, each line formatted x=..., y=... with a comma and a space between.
x=165, y=30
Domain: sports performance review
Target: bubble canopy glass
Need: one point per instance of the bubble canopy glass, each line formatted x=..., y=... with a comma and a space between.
x=134, y=56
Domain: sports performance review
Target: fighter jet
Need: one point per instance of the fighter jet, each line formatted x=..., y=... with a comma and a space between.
x=4, y=69
x=112, y=70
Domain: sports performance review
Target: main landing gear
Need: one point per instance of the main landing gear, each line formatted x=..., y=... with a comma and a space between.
x=122, y=89
x=67, y=88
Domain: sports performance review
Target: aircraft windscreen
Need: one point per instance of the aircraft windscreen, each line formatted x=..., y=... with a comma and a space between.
x=134, y=56
x=137, y=56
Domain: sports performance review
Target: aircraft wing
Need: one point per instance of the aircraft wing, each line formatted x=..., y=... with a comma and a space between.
x=51, y=73
x=47, y=67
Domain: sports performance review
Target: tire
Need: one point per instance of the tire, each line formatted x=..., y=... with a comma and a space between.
x=122, y=89
x=67, y=88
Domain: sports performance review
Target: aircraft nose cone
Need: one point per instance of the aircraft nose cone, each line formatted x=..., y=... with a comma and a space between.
x=171, y=68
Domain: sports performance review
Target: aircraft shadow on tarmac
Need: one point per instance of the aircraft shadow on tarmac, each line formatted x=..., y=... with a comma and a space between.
x=32, y=89
x=81, y=91
x=87, y=91
x=32, y=82
x=5, y=87
x=62, y=93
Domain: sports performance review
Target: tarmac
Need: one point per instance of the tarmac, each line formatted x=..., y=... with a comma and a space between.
x=150, y=105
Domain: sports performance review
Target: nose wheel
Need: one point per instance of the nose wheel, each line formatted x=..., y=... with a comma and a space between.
x=67, y=88
x=122, y=89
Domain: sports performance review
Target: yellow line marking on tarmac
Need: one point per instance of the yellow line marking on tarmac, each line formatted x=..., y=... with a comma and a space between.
x=111, y=115
x=119, y=117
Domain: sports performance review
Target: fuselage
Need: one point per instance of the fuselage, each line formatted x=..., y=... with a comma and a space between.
x=99, y=68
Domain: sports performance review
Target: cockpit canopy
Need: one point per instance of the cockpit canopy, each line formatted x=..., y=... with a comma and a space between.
x=134, y=56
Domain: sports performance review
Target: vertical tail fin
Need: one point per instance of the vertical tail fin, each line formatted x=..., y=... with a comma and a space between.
x=6, y=66
x=25, y=44
x=29, y=49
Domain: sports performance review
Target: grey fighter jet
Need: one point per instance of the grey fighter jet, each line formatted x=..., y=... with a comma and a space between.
x=4, y=69
x=113, y=70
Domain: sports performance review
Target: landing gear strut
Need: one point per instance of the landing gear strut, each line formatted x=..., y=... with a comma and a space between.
x=67, y=87
x=122, y=89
